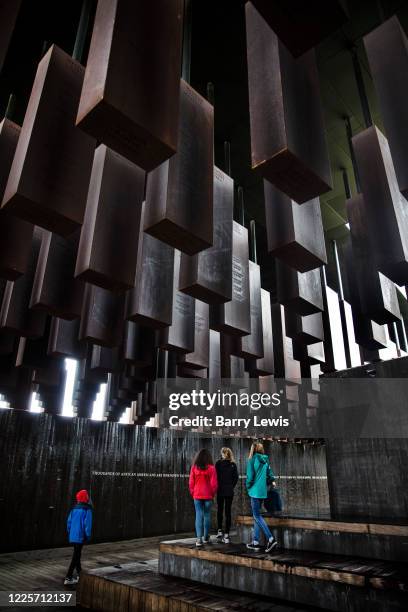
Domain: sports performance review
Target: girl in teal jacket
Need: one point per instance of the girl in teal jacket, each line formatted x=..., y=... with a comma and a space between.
x=258, y=473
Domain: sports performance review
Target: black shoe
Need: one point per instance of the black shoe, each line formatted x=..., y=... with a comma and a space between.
x=253, y=546
x=271, y=544
x=207, y=540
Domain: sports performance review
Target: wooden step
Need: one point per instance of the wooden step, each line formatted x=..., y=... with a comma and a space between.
x=333, y=582
x=132, y=588
x=352, y=537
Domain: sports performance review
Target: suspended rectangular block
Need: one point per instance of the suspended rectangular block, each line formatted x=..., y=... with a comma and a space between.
x=307, y=329
x=295, y=233
x=150, y=301
x=179, y=193
x=368, y=334
x=288, y=140
x=301, y=291
x=55, y=290
x=104, y=359
x=386, y=207
x=207, y=275
x=102, y=317
x=387, y=52
x=264, y=366
x=234, y=317
x=301, y=26
x=352, y=350
x=107, y=253
x=139, y=344
x=179, y=336
x=286, y=366
x=63, y=339
x=333, y=332
x=378, y=295
x=49, y=177
x=15, y=313
x=314, y=353
x=251, y=346
x=231, y=365
x=199, y=358
x=130, y=95
x=15, y=234
x=214, y=365
x=187, y=372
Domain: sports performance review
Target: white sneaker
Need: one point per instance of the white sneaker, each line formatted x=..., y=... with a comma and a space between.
x=220, y=535
x=199, y=542
x=226, y=538
x=71, y=580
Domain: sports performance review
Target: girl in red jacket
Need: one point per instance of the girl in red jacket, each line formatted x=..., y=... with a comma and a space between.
x=203, y=487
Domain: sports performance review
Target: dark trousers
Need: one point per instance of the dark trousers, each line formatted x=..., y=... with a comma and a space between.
x=76, y=561
x=224, y=502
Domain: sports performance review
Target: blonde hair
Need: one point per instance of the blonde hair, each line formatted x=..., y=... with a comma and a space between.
x=256, y=447
x=226, y=453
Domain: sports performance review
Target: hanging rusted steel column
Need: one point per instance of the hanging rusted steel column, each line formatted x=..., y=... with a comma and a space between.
x=288, y=140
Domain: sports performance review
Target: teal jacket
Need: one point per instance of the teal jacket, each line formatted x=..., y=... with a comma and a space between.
x=258, y=469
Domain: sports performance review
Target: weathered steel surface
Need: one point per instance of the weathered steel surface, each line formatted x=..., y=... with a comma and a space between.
x=179, y=193
x=214, y=365
x=386, y=208
x=312, y=354
x=55, y=290
x=295, y=233
x=231, y=365
x=102, y=317
x=50, y=173
x=352, y=350
x=301, y=291
x=15, y=314
x=107, y=253
x=150, y=302
x=179, y=336
x=387, y=52
x=130, y=95
x=15, y=234
x=301, y=26
x=234, y=317
x=378, y=296
x=104, y=359
x=264, y=366
x=285, y=365
x=287, y=130
x=307, y=329
x=63, y=339
x=207, y=275
x=251, y=346
x=368, y=333
x=199, y=358
x=139, y=344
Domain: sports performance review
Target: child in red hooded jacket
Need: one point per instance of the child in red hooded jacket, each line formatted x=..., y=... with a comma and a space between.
x=203, y=486
x=79, y=528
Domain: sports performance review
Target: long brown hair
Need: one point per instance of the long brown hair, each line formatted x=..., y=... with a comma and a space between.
x=257, y=447
x=203, y=459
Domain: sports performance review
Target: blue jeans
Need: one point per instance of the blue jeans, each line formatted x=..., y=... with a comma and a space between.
x=259, y=521
x=203, y=517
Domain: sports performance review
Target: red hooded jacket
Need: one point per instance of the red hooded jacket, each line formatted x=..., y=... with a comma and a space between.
x=203, y=483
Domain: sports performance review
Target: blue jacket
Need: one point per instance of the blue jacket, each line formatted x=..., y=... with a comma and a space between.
x=258, y=469
x=79, y=524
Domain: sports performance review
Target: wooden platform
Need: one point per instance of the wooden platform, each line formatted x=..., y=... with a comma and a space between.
x=352, y=537
x=133, y=588
x=334, y=582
